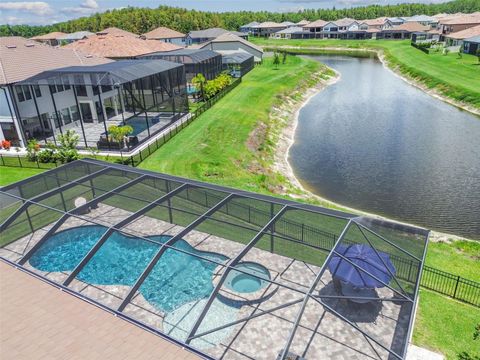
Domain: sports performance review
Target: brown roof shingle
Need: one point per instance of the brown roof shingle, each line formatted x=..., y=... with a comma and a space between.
x=163, y=33
x=114, y=46
x=465, y=34
x=317, y=23
x=22, y=58
x=50, y=36
x=116, y=31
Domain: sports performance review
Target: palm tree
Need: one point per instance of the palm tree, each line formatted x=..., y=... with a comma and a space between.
x=199, y=82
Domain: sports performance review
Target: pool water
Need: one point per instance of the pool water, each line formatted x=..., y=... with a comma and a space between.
x=245, y=283
x=139, y=123
x=175, y=280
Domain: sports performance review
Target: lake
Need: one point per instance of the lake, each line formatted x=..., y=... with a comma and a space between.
x=375, y=143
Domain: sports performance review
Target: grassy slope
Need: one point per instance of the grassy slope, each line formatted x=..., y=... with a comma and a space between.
x=456, y=77
x=213, y=148
x=446, y=325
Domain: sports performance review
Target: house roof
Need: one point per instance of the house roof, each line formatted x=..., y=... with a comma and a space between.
x=196, y=55
x=395, y=19
x=292, y=30
x=163, y=33
x=211, y=33
x=21, y=58
x=116, y=31
x=120, y=46
x=473, y=39
x=410, y=27
x=303, y=22
x=466, y=19
x=287, y=23
x=270, y=24
x=316, y=23
x=229, y=38
x=344, y=22
x=421, y=18
x=114, y=72
x=76, y=35
x=374, y=22
x=465, y=34
x=50, y=36
x=250, y=24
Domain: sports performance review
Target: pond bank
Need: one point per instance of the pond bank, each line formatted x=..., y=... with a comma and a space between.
x=387, y=63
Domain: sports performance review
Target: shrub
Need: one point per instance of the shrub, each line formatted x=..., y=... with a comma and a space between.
x=33, y=147
x=118, y=133
x=47, y=155
x=213, y=87
x=67, y=150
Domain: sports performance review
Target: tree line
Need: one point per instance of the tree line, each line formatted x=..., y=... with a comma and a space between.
x=141, y=20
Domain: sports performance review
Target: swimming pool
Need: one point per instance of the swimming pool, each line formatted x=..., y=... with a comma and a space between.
x=245, y=283
x=175, y=280
x=139, y=123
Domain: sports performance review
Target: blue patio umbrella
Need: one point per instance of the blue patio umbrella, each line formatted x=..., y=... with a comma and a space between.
x=366, y=258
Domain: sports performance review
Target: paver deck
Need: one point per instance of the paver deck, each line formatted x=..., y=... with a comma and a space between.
x=38, y=321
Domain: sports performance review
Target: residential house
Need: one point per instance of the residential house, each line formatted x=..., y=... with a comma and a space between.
x=395, y=21
x=452, y=25
x=247, y=28
x=288, y=24
x=456, y=38
x=423, y=19
x=72, y=37
x=229, y=42
x=295, y=32
x=316, y=28
x=120, y=46
x=203, y=36
x=52, y=38
x=266, y=28
x=426, y=36
x=166, y=35
x=403, y=31
x=338, y=29
x=377, y=23
x=26, y=111
x=471, y=45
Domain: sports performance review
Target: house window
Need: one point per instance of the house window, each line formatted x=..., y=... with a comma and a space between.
x=20, y=95
x=106, y=88
x=74, y=112
x=46, y=122
x=66, y=84
x=59, y=86
x=81, y=89
x=38, y=92
x=23, y=93
x=26, y=92
x=67, y=119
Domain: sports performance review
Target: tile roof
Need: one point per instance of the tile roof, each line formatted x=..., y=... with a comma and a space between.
x=250, y=24
x=374, y=22
x=466, y=19
x=119, y=46
x=410, y=27
x=115, y=31
x=303, y=22
x=344, y=22
x=465, y=34
x=419, y=18
x=163, y=33
x=50, y=36
x=21, y=58
x=76, y=35
x=270, y=24
x=316, y=23
x=229, y=37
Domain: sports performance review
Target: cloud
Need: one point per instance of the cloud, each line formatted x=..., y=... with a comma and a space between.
x=89, y=4
x=39, y=8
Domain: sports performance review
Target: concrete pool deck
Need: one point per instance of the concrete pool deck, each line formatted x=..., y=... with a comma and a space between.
x=37, y=321
x=320, y=334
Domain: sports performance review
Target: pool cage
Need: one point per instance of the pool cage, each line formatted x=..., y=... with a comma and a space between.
x=238, y=64
x=196, y=61
x=191, y=239
x=147, y=95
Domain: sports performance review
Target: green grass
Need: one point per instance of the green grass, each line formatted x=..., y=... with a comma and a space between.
x=214, y=147
x=459, y=258
x=10, y=175
x=458, y=78
x=445, y=325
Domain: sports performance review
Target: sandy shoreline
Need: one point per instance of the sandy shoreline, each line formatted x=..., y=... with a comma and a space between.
x=286, y=139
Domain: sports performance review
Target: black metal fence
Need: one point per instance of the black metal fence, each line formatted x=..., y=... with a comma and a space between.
x=433, y=279
x=16, y=160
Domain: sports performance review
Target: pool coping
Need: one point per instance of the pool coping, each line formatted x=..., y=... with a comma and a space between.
x=115, y=313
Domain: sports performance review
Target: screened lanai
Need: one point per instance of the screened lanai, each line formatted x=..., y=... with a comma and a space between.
x=238, y=63
x=228, y=273
x=146, y=95
x=196, y=61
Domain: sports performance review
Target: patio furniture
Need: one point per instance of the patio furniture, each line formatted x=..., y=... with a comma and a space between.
x=80, y=201
x=358, y=295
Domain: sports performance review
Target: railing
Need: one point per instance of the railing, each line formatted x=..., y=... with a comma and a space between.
x=133, y=160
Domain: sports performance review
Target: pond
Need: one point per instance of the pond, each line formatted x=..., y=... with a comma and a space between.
x=375, y=143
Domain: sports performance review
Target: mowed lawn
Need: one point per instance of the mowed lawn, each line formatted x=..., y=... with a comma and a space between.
x=457, y=77
x=10, y=175
x=214, y=147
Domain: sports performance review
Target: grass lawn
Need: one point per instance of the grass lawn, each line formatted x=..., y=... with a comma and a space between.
x=10, y=175
x=214, y=147
x=456, y=77
x=445, y=325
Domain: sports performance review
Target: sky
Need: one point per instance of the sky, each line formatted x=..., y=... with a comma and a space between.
x=15, y=12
